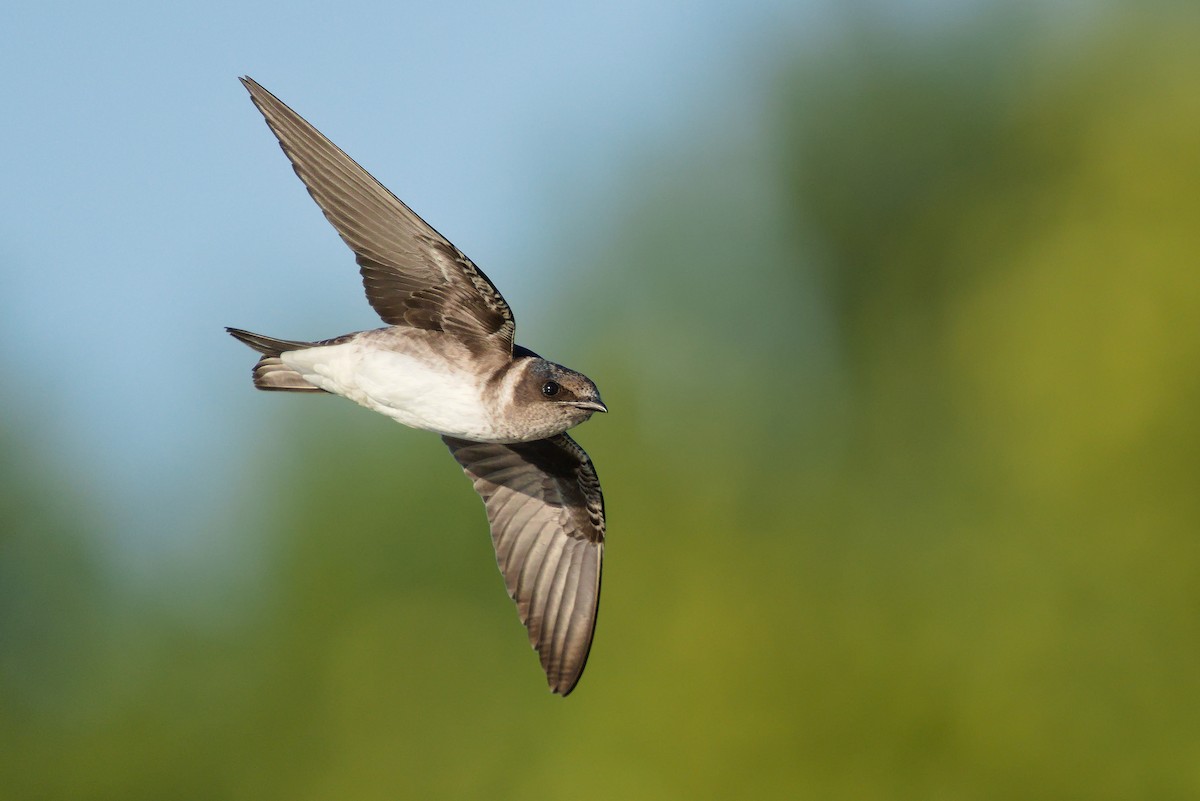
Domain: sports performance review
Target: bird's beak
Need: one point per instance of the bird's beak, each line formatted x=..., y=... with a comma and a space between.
x=595, y=405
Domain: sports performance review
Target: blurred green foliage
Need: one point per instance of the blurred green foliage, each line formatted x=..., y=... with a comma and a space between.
x=901, y=476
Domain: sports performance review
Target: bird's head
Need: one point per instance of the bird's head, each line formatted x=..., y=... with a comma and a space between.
x=553, y=398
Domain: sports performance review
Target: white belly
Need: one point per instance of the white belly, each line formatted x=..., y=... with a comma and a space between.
x=419, y=388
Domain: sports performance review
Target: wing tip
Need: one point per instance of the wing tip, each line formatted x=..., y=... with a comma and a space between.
x=258, y=93
x=568, y=681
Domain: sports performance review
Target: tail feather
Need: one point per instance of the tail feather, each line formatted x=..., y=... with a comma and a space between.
x=270, y=373
x=268, y=346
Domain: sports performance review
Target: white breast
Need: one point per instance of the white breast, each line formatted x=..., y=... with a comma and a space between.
x=415, y=385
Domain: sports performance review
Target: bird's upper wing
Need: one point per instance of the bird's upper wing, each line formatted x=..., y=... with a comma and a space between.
x=547, y=518
x=412, y=275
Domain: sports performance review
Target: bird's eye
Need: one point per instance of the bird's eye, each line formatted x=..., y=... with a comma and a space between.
x=550, y=389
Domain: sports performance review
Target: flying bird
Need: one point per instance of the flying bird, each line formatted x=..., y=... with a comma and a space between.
x=446, y=362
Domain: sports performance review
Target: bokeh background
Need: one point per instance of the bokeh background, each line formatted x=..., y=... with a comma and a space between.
x=896, y=306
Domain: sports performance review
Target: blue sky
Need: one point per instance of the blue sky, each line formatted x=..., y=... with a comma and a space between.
x=147, y=205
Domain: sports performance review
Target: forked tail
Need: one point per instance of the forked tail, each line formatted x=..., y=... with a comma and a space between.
x=271, y=373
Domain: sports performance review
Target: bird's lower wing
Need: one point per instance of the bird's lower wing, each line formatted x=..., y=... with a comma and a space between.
x=547, y=519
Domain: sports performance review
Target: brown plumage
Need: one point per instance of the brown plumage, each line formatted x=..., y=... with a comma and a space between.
x=448, y=363
x=547, y=519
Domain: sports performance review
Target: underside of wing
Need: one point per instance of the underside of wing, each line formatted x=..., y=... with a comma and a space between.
x=546, y=514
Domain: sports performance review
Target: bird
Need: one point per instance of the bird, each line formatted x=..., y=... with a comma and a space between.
x=446, y=362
